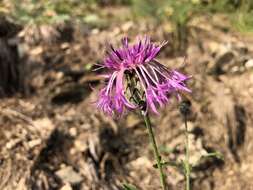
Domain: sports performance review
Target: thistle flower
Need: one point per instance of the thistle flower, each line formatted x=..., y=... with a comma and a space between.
x=135, y=77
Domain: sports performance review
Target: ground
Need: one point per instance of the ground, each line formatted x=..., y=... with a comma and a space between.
x=54, y=138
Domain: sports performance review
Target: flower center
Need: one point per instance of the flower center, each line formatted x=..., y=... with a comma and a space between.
x=133, y=89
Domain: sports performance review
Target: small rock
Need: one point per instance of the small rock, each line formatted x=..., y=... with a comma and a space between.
x=73, y=131
x=66, y=187
x=68, y=175
x=73, y=151
x=36, y=51
x=235, y=69
x=222, y=63
x=59, y=75
x=34, y=143
x=249, y=63
x=65, y=45
x=213, y=47
x=12, y=143
x=141, y=162
x=225, y=58
x=45, y=124
x=80, y=145
x=27, y=105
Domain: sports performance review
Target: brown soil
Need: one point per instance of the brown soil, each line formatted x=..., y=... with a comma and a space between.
x=56, y=126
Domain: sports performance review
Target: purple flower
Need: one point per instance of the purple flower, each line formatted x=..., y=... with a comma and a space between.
x=152, y=82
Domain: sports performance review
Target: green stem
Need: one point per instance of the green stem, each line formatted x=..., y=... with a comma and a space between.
x=156, y=153
x=187, y=156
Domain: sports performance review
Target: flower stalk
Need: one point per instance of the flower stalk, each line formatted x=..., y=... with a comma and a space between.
x=185, y=110
x=187, y=156
x=155, y=150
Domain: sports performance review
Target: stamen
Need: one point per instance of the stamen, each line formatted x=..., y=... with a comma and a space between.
x=144, y=76
x=148, y=74
x=166, y=77
x=141, y=80
x=109, y=86
x=152, y=69
x=98, y=68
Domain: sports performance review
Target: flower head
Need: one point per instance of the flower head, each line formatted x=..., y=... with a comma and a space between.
x=135, y=76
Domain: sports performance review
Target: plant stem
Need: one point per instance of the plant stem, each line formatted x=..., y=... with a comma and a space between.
x=156, y=153
x=187, y=156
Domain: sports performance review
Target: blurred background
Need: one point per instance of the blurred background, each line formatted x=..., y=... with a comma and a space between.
x=52, y=137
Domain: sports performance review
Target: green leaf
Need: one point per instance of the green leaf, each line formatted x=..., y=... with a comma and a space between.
x=129, y=187
x=214, y=154
x=186, y=167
